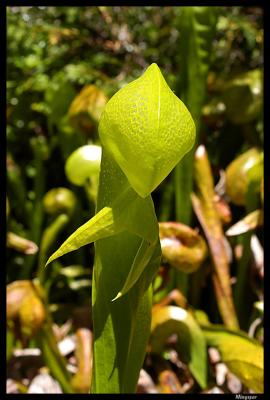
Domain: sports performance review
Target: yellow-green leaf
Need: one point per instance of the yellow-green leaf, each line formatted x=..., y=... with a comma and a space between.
x=242, y=355
x=112, y=220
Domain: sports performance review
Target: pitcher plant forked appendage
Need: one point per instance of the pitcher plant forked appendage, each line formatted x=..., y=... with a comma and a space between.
x=145, y=130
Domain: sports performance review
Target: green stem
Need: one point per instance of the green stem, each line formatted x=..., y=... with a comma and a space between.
x=38, y=211
x=17, y=192
x=53, y=358
x=240, y=295
x=183, y=209
x=49, y=236
x=48, y=344
x=121, y=327
x=183, y=189
x=204, y=207
x=91, y=188
x=167, y=200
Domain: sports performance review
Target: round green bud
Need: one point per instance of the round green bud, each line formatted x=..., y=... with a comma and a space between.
x=147, y=129
x=240, y=172
x=83, y=163
x=59, y=200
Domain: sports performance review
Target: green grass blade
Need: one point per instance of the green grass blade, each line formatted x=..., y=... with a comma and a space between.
x=197, y=27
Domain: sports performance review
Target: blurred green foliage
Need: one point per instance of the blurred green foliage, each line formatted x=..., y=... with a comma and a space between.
x=54, y=52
